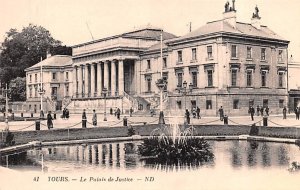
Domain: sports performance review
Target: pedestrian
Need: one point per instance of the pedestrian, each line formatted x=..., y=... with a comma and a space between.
x=42, y=114
x=67, y=114
x=118, y=113
x=131, y=111
x=257, y=110
x=198, y=113
x=267, y=110
x=64, y=113
x=83, y=119
x=94, y=119
x=187, y=116
x=111, y=111
x=49, y=120
x=221, y=113
x=251, y=111
x=194, y=112
x=262, y=111
x=284, y=112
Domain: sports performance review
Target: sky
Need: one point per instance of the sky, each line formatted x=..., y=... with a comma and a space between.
x=76, y=21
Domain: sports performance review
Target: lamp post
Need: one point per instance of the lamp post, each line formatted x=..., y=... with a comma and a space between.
x=6, y=109
x=41, y=93
x=104, y=92
x=185, y=92
x=161, y=84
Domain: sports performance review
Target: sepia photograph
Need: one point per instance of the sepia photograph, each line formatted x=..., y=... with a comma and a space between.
x=150, y=94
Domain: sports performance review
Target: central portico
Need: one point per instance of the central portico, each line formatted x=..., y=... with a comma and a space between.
x=112, y=63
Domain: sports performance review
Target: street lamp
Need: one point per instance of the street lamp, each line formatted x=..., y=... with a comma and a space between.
x=6, y=108
x=185, y=92
x=161, y=83
x=41, y=93
x=104, y=92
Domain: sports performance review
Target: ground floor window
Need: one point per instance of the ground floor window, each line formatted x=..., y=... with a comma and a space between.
x=281, y=103
x=265, y=102
x=179, y=80
x=251, y=102
x=236, y=104
x=179, y=104
x=208, y=104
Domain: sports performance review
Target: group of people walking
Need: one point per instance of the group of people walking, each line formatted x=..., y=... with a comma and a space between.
x=195, y=112
x=259, y=111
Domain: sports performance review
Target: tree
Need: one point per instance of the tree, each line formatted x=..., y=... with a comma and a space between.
x=21, y=50
x=17, y=89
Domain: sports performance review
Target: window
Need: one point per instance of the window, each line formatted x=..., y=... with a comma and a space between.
x=179, y=56
x=148, y=64
x=265, y=102
x=249, y=78
x=30, y=78
x=148, y=84
x=54, y=91
x=251, y=102
x=35, y=91
x=209, y=52
x=281, y=103
x=263, y=78
x=233, y=77
x=280, y=79
x=179, y=80
x=249, y=52
x=194, y=54
x=165, y=78
x=67, y=90
x=234, y=51
x=67, y=76
x=35, y=77
x=208, y=104
x=164, y=62
x=209, y=78
x=280, y=55
x=235, y=104
x=179, y=104
x=53, y=76
x=194, y=79
x=263, y=54
x=30, y=92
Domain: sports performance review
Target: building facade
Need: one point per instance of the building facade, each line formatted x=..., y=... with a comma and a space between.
x=52, y=79
x=223, y=63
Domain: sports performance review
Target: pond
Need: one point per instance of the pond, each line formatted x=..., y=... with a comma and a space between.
x=235, y=162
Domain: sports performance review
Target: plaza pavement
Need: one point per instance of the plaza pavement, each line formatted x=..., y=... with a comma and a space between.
x=75, y=121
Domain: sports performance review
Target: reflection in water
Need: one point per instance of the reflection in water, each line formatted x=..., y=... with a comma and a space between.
x=265, y=154
x=283, y=158
x=236, y=158
x=251, y=151
x=124, y=156
x=96, y=154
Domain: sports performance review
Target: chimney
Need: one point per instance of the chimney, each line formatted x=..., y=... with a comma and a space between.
x=230, y=14
x=255, y=20
x=48, y=54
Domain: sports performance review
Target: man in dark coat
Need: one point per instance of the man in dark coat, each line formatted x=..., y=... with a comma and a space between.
x=267, y=111
x=257, y=110
x=198, y=113
x=284, y=112
x=262, y=111
x=187, y=116
x=49, y=120
x=83, y=119
x=221, y=113
x=251, y=111
x=118, y=113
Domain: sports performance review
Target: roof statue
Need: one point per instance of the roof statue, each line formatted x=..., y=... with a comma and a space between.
x=256, y=13
x=228, y=8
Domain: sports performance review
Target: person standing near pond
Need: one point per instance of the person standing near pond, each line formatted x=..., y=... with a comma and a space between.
x=83, y=119
x=284, y=112
x=198, y=113
x=221, y=113
x=94, y=119
x=267, y=110
x=257, y=110
x=187, y=116
x=118, y=113
x=49, y=120
x=262, y=111
x=251, y=111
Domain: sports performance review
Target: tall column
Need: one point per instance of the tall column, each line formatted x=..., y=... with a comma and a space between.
x=86, y=80
x=99, y=78
x=113, y=78
x=92, y=80
x=80, y=68
x=121, y=77
x=105, y=78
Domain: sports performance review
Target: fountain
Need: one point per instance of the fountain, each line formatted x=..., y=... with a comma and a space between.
x=175, y=145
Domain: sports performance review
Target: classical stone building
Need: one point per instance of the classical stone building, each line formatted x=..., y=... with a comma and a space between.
x=55, y=75
x=223, y=63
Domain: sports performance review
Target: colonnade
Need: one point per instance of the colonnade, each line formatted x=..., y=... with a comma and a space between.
x=92, y=78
